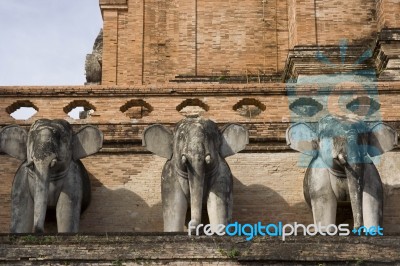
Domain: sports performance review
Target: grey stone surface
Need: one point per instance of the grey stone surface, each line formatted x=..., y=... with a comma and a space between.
x=196, y=175
x=51, y=175
x=342, y=168
x=93, y=63
x=180, y=249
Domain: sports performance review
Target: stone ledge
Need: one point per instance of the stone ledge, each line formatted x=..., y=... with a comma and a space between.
x=386, y=52
x=264, y=137
x=174, y=90
x=326, y=60
x=112, y=4
x=164, y=248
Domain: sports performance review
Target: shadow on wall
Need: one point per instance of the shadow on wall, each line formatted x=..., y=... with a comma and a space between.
x=256, y=202
x=391, y=210
x=114, y=210
x=121, y=210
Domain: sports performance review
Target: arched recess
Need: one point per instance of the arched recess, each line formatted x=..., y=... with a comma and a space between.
x=192, y=107
x=22, y=110
x=249, y=107
x=79, y=109
x=306, y=106
x=136, y=108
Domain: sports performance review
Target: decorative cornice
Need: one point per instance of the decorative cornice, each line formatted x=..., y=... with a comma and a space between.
x=323, y=60
x=174, y=90
x=387, y=54
x=113, y=4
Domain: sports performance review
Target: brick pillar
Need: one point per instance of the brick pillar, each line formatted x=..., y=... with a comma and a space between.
x=388, y=13
x=111, y=12
x=110, y=45
x=302, y=23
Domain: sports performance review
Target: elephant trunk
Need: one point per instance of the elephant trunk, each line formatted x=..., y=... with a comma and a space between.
x=355, y=173
x=41, y=191
x=196, y=186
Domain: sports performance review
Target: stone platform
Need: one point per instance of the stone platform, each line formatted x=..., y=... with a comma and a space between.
x=180, y=249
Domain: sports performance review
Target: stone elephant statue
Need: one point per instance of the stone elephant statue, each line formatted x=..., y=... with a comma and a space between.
x=51, y=175
x=342, y=168
x=196, y=173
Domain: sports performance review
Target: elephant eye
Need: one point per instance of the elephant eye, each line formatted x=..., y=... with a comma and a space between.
x=306, y=107
x=363, y=106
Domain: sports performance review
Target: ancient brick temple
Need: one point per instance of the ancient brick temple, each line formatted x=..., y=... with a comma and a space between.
x=261, y=63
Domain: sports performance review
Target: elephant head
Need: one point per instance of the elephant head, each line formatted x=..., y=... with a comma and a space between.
x=344, y=146
x=48, y=151
x=196, y=151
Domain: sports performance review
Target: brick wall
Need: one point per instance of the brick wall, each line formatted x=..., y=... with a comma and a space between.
x=220, y=98
x=268, y=187
x=236, y=36
x=292, y=24
x=304, y=22
x=352, y=20
x=327, y=22
x=151, y=42
x=388, y=13
x=126, y=180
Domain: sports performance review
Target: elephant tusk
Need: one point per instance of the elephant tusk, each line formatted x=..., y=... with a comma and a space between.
x=184, y=160
x=341, y=159
x=52, y=163
x=208, y=159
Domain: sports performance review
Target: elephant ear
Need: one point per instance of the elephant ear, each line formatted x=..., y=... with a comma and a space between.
x=158, y=139
x=13, y=141
x=302, y=138
x=234, y=139
x=87, y=141
x=381, y=138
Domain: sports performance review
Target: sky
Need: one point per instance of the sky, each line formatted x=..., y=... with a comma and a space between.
x=45, y=42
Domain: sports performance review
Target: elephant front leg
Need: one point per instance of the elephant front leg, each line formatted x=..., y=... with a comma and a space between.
x=21, y=204
x=21, y=214
x=69, y=204
x=174, y=202
x=219, y=202
x=372, y=199
x=174, y=210
x=323, y=199
x=218, y=208
x=68, y=212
